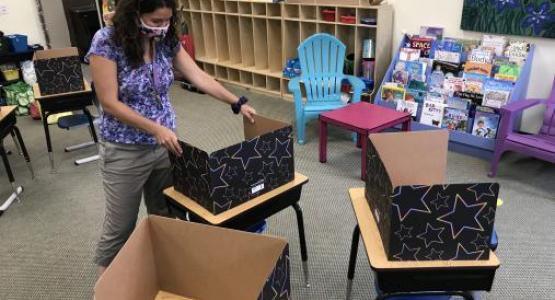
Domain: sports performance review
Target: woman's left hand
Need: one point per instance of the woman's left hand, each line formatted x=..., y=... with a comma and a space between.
x=248, y=111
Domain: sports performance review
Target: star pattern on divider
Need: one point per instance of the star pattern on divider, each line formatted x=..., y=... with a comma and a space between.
x=248, y=178
x=217, y=207
x=431, y=235
x=218, y=182
x=407, y=253
x=266, y=147
x=221, y=157
x=440, y=201
x=231, y=172
x=267, y=169
x=404, y=208
x=281, y=151
x=404, y=232
x=65, y=72
x=489, y=216
x=284, y=170
x=458, y=219
x=481, y=242
x=463, y=254
x=246, y=152
x=481, y=190
x=434, y=254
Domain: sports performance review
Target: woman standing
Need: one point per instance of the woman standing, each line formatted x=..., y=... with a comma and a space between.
x=131, y=64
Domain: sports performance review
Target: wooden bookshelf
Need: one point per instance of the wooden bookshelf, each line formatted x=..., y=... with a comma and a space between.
x=248, y=42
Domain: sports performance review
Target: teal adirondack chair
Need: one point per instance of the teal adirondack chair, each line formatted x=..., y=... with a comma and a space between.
x=322, y=58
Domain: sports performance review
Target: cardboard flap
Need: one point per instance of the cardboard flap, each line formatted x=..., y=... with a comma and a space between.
x=132, y=274
x=211, y=263
x=262, y=125
x=413, y=158
x=55, y=53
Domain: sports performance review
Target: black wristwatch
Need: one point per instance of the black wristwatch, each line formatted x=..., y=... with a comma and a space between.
x=236, y=107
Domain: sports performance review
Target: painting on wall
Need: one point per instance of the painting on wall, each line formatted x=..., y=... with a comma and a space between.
x=515, y=17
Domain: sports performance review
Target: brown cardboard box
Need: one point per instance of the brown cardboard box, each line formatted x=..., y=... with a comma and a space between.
x=419, y=215
x=166, y=256
x=58, y=71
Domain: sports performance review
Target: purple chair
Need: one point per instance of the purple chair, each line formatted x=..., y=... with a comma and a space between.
x=541, y=145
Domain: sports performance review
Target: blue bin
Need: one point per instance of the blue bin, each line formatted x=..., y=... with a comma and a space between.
x=18, y=42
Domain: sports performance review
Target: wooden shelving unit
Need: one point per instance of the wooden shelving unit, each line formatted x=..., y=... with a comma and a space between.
x=248, y=42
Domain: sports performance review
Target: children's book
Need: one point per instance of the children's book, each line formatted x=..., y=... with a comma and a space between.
x=409, y=54
x=391, y=92
x=406, y=71
x=485, y=123
x=432, y=113
x=448, y=50
x=517, y=51
x=448, y=69
x=473, y=98
x=448, y=56
x=508, y=71
x=458, y=103
x=400, y=74
x=481, y=55
x=416, y=91
x=431, y=32
x=455, y=119
x=453, y=84
x=478, y=68
x=424, y=44
x=474, y=83
x=496, y=92
x=410, y=107
x=495, y=42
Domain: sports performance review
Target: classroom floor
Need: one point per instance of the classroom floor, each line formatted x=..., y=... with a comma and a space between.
x=47, y=241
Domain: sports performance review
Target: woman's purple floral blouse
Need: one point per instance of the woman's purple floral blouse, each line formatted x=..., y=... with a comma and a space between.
x=137, y=90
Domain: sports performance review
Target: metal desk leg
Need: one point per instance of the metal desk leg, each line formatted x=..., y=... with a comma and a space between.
x=15, y=189
x=91, y=124
x=352, y=261
x=48, y=141
x=302, y=240
x=24, y=149
x=16, y=143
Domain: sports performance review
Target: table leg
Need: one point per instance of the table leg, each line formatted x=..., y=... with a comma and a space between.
x=363, y=156
x=91, y=124
x=406, y=125
x=24, y=150
x=48, y=141
x=6, y=162
x=465, y=295
x=16, y=143
x=302, y=241
x=323, y=141
x=359, y=140
x=352, y=261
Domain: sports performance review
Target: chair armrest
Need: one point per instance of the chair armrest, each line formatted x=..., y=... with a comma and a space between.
x=295, y=88
x=520, y=105
x=509, y=113
x=358, y=86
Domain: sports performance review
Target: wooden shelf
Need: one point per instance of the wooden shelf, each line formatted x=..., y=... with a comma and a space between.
x=248, y=42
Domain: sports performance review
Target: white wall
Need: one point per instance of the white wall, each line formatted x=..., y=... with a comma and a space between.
x=56, y=23
x=411, y=14
x=22, y=17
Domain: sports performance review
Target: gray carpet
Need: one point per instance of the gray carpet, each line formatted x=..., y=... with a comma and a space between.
x=47, y=241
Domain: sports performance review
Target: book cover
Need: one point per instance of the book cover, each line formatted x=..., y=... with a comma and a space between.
x=409, y=54
x=478, y=68
x=431, y=32
x=400, y=74
x=424, y=44
x=495, y=42
x=473, y=98
x=392, y=93
x=436, y=97
x=481, y=55
x=410, y=107
x=474, y=83
x=458, y=103
x=517, y=51
x=448, y=69
x=485, y=124
x=496, y=92
x=455, y=119
x=453, y=84
x=508, y=71
x=416, y=91
x=432, y=113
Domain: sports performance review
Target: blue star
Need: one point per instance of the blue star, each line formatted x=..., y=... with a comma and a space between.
x=483, y=189
x=466, y=255
x=434, y=255
x=459, y=218
x=489, y=216
x=218, y=182
x=281, y=151
x=440, y=201
x=247, y=151
x=481, y=242
x=404, y=232
x=431, y=235
x=402, y=203
x=266, y=147
x=407, y=253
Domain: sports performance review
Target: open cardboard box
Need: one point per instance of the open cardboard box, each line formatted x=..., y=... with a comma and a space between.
x=167, y=258
x=58, y=71
x=419, y=215
x=233, y=175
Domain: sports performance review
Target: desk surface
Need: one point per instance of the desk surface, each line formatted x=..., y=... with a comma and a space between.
x=169, y=296
x=364, y=115
x=6, y=111
x=376, y=252
x=202, y=212
x=38, y=95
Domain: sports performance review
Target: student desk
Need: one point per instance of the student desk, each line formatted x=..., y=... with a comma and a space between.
x=53, y=104
x=7, y=126
x=249, y=213
x=396, y=278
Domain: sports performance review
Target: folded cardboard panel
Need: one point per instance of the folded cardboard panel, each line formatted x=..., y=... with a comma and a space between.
x=58, y=71
x=197, y=262
x=231, y=176
x=419, y=216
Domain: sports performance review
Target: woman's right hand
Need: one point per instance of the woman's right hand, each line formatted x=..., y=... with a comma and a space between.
x=168, y=139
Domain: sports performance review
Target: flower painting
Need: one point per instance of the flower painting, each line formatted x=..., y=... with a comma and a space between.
x=514, y=17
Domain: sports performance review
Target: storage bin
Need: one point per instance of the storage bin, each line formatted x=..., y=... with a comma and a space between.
x=18, y=42
x=348, y=19
x=10, y=75
x=328, y=15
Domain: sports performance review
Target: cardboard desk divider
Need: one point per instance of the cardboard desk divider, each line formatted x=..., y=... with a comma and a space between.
x=167, y=256
x=233, y=175
x=419, y=215
x=58, y=71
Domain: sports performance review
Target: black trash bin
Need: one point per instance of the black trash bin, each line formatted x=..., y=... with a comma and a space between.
x=84, y=20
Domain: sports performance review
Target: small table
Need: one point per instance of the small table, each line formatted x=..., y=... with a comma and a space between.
x=7, y=126
x=362, y=118
x=244, y=216
x=396, y=278
x=53, y=104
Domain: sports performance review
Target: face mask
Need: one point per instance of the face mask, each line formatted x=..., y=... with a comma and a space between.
x=153, y=31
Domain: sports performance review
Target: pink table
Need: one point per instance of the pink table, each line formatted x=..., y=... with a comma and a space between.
x=363, y=118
